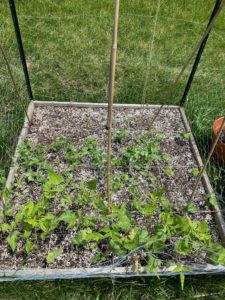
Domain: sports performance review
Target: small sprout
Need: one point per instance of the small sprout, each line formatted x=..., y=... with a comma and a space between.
x=159, y=136
x=195, y=172
x=30, y=176
x=169, y=171
x=55, y=147
x=186, y=135
x=183, y=135
x=119, y=135
x=117, y=186
x=98, y=258
x=165, y=204
x=51, y=257
x=71, y=155
x=192, y=208
x=166, y=157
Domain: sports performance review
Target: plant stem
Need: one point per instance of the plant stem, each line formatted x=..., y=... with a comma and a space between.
x=111, y=97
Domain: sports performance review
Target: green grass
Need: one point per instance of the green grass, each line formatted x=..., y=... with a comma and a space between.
x=67, y=46
x=201, y=287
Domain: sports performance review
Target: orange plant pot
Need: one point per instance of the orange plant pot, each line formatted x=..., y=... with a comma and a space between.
x=219, y=152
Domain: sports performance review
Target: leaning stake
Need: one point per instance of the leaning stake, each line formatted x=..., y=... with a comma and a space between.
x=111, y=96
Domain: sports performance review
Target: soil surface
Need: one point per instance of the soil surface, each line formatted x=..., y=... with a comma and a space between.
x=76, y=124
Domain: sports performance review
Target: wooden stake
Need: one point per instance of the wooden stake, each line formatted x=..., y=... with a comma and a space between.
x=111, y=97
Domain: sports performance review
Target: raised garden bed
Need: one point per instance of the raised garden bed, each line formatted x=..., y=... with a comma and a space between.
x=56, y=220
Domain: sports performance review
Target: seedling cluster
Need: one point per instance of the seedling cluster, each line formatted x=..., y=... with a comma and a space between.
x=142, y=222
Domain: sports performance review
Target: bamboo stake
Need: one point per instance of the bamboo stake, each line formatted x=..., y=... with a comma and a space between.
x=207, y=160
x=111, y=96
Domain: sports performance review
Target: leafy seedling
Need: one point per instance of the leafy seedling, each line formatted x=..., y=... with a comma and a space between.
x=68, y=217
x=213, y=201
x=92, y=184
x=59, y=142
x=192, y=208
x=183, y=134
x=195, y=172
x=12, y=240
x=120, y=135
x=52, y=256
x=169, y=171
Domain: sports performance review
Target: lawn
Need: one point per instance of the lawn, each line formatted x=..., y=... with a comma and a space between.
x=67, y=45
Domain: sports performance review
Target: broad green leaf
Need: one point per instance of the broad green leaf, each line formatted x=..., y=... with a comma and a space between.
x=48, y=223
x=148, y=209
x=5, y=194
x=55, y=178
x=31, y=221
x=12, y=240
x=29, y=209
x=66, y=199
x=165, y=204
x=26, y=234
x=143, y=236
x=192, y=208
x=216, y=254
x=5, y=227
x=89, y=235
x=123, y=223
x=28, y=246
x=116, y=247
x=202, y=227
x=68, y=217
x=213, y=201
x=92, y=184
x=183, y=246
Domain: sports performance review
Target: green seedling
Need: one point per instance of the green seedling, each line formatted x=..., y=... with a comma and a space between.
x=169, y=171
x=53, y=255
x=119, y=135
x=184, y=135
x=195, y=172
x=95, y=223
